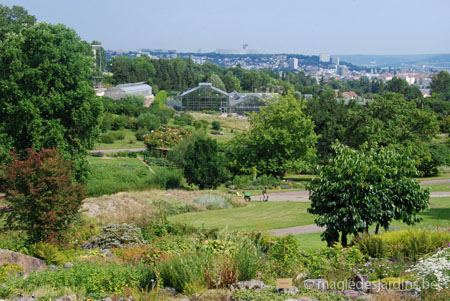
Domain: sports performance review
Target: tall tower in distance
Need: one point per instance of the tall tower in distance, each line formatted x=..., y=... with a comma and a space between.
x=324, y=58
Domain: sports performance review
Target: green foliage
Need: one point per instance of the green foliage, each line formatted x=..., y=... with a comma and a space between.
x=204, y=165
x=129, y=105
x=286, y=251
x=393, y=121
x=373, y=246
x=160, y=99
x=50, y=102
x=97, y=280
x=167, y=178
x=181, y=271
x=47, y=252
x=107, y=138
x=440, y=85
x=183, y=119
x=281, y=138
x=215, y=125
x=213, y=201
x=41, y=193
x=407, y=244
x=14, y=19
x=148, y=121
x=140, y=134
x=165, y=138
x=216, y=81
x=178, y=152
x=330, y=117
x=9, y=270
x=116, y=236
x=360, y=188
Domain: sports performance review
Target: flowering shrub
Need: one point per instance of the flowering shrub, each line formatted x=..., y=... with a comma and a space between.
x=381, y=268
x=433, y=272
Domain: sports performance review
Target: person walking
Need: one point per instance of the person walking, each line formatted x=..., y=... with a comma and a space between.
x=265, y=195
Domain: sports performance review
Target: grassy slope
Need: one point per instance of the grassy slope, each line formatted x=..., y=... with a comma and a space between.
x=121, y=144
x=254, y=216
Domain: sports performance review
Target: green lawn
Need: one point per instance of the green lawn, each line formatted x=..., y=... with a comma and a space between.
x=122, y=144
x=254, y=216
x=310, y=241
x=438, y=187
x=438, y=216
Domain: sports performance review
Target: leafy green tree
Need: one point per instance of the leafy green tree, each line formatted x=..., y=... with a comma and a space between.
x=281, y=138
x=46, y=95
x=440, y=85
x=41, y=194
x=357, y=189
x=148, y=121
x=204, y=165
x=216, y=81
x=231, y=82
x=14, y=19
x=330, y=120
x=393, y=121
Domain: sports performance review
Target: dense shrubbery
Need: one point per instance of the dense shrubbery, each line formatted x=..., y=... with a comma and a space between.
x=406, y=244
x=117, y=235
x=248, y=183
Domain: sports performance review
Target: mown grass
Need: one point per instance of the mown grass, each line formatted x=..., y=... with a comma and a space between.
x=441, y=176
x=437, y=217
x=441, y=187
x=121, y=144
x=254, y=216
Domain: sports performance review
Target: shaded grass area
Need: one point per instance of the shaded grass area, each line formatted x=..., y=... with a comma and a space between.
x=122, y=144
x=254, y=216
x=112, y=175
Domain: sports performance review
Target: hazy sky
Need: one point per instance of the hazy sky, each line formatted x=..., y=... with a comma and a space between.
x=281, y=26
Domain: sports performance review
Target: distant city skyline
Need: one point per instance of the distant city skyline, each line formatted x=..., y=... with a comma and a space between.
x=342, y=27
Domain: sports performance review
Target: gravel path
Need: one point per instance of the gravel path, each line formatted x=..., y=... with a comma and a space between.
x=435, y=181
x=298, y=230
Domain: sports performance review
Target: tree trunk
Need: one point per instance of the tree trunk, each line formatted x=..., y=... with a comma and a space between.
x=344, y=239
x=377, y=228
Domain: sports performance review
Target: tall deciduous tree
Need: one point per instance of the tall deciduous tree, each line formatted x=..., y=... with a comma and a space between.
x=440, y=84
x=393, y=121
x=281, y=138
x=360, y=188
x=14, y=19
x=204, y=165
x=46, y=95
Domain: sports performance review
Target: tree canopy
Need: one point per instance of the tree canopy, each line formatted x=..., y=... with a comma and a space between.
x=13, y=19
x=359, y=188
x=281, y=138
x=46, y=95
x=203, y=164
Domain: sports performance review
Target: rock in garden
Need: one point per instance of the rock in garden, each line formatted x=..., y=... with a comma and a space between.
x=29, y=264
x=376, y=287
x=168, y=291
x=248, y=285
x=361, y=283
x=290, y=291
x=53, y=267
x=317, y=284
x=354, y=294
x=106, y=252
x=301, y=276
x=27, y=298
x=68, y=265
